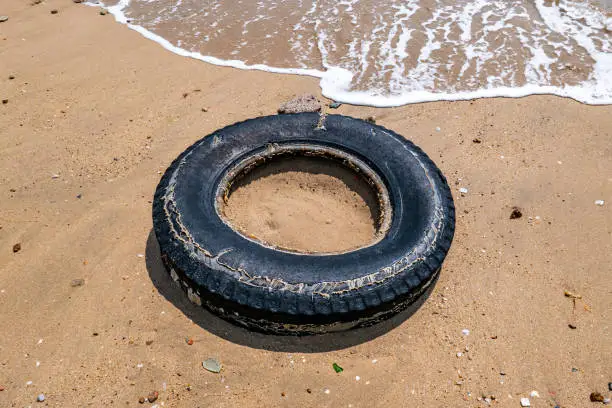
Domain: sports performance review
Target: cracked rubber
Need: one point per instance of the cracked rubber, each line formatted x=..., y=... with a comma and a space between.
x=270, y=290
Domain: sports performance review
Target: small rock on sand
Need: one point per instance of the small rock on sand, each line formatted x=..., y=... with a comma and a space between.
x=77, y=282
x=16, y=247
x=40, y=398
x=152, y=397
x=54, y=11
x=3, y=19
x=516, y=213
x=596, y=397
x=525, y=402
x=303, y=103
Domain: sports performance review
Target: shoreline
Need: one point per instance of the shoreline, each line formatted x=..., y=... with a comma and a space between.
x=335, y=82
x=96, y=113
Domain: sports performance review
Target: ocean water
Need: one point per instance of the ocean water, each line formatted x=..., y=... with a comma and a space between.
x=390, y=53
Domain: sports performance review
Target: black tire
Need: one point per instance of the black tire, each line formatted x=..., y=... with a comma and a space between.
x=271, y=290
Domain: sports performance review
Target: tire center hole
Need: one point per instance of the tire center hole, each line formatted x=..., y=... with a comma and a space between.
x=305, y=204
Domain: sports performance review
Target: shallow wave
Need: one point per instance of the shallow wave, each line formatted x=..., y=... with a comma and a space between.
x=398, y=52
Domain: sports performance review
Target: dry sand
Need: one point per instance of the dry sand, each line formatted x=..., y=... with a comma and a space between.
x=324, y=207
x=104, y=109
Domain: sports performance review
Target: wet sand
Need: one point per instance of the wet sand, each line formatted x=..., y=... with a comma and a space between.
x=105, y=111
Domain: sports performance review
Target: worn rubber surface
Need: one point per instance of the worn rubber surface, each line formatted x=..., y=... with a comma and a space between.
x=276, y=291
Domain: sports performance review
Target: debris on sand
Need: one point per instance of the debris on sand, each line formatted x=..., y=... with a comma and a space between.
x=596, y=397
x=337, y=368
x=516, y=213
x=476, y=140
x=3, y=19
x=16, y=247
x=212, y=365
x=303, y=103
x=54, y=11
x=141, y=400
x=571, y=295
x=4, y=101
x=77, y=282
x=371, y=119
x=334, y=105
x=525, y=402
x=599, y=202
x=571, y=326
x=40, y=398
x=103, y=12
x=189, y=341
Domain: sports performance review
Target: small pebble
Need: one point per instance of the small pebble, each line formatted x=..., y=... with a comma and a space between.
x=40, y=398
x=3, y=19
x=326, y=390
x=54, y=11
x=476, y=140
x=103, y=12
x=357, y=378
x=4, y=101
x=11, y=77
x=335, y=105
x=152, y=397
x=16, y=247
x=596, y=397
x=516, y=213
x=610, y=386
x=599, y=202
x=606, y=401
x=77, y=282
x=525, y=402
x=571, y=326
x=463, y=190
x=534, y=394
x=149, y=342
x=79, y=195
x=459, y=354
x=465, y=332
x=438, y=129
x=308, y=390
x=141, y=400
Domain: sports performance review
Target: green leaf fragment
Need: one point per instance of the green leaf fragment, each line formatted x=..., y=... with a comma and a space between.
x=337, y=368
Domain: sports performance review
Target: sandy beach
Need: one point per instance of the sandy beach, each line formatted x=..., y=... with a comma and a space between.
x=95, y=113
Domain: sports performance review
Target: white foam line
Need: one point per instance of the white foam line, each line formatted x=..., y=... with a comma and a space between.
x=335, y=82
